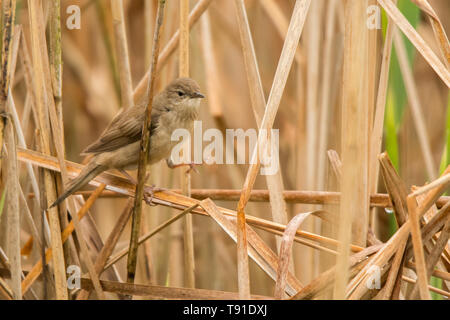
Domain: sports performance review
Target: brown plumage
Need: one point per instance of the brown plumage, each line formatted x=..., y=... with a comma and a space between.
x=118, y=146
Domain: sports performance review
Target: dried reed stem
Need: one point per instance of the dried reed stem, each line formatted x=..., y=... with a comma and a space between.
x=274, y=182
x=284, y=65
x=12, y=210
x=37, y=30
x=162, y=292
x=56, y=59
x=376, y=134
x=145, y=143
x=377, y=200
x=147, y=236
x=312, y=33
x=110, y=243
x=169, y=49
x=7, y=138
x=422, y=277
x=49, y=253
x=185, y=176
x=394, y=272
x=354, y=204
x=326, y=107
x=8, y=17
x=123, y=60
x=55, y=121
x=257, y=249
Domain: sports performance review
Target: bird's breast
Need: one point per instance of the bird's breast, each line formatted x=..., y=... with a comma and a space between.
x=161, y=142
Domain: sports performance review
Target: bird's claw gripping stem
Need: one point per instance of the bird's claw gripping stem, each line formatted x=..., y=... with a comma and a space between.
x=149, y=193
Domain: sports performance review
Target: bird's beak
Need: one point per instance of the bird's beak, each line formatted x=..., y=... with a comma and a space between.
x=197, y=95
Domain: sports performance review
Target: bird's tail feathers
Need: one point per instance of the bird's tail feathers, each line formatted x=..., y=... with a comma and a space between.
x=88, y=173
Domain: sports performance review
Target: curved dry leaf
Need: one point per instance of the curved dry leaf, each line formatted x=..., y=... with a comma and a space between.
x=438, y=29
x=426, y=7
x=399, y=19
x=257, y=250
x=285, y=252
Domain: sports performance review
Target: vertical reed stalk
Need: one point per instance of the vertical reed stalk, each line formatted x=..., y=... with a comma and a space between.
x=170, y=48
x=123, y=60
x=354, y=204
x=8, y=17
x=56, y=60
x=145, y=143
x=274, y=182
x=279, y=82
x=39, y=88
x=57, y=142
x=326, y=103
x=12, y=210
x=376, y=134
x=189, y=260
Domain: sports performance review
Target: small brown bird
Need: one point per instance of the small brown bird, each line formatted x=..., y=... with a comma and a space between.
x=119, y=145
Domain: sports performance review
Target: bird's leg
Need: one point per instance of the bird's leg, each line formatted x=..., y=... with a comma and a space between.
x=192, y=165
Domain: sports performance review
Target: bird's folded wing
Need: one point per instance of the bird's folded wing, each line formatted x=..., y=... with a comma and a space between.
x=125, y=128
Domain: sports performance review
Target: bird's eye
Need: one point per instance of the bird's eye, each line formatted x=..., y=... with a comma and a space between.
x=180, y=93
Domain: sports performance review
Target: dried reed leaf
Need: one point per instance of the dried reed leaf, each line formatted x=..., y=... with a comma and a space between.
x=394, y=271
x=395, y=187
x=257, y=250
x=284, y=65
x=147, y=236
x=286, y=251
x=5, y=290
x=37, y=268
x=438, y=29
x=110, y=243
x=400, y=20
x=325, y=280
x=433, y=258
x=257, y=98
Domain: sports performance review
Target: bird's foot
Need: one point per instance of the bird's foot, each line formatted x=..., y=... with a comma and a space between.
x=192, y=166
x=149, y=193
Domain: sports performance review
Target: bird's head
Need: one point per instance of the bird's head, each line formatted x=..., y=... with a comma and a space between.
x=184, y=91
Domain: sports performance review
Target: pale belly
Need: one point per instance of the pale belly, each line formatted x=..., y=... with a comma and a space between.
x=161, y=145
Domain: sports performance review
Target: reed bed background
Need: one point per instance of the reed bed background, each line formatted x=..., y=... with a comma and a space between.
x=364, y=129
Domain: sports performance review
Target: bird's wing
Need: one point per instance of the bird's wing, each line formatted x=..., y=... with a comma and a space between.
x=124, y=129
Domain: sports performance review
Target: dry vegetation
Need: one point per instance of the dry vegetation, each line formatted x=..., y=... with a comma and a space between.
x=339, y=93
